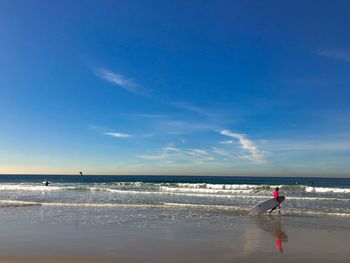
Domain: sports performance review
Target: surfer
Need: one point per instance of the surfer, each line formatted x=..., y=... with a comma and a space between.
x=272, y=204
x=47, y=183
x=276, y=196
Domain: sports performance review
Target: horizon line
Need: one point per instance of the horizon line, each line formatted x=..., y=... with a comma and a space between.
x=341, y=176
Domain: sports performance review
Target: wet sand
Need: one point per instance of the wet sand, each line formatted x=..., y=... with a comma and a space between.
x=207, y=238
x=49, y=260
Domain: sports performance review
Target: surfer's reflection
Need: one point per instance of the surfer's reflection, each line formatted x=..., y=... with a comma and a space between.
x=272, y=225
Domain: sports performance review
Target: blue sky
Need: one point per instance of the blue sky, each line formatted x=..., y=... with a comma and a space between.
x=175, y=87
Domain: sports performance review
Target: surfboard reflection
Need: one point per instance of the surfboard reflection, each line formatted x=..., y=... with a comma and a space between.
x=272, y=225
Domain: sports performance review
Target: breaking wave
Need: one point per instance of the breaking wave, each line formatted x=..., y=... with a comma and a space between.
x=300, y=199
x=137, y=187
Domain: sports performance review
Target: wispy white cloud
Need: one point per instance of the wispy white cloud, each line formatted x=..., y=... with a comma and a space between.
x=121, y=81
x=109, y=132
x=246, y=144
x=171, y=149
x=146, y=115
x=189, y=107
x=118, y=135
x=175, y=155
x=183, y=127
x=339, y=54
x=165, y=154
x=153, y=157
x=224, y=153
x=226, y=142
x=200, y=154
x=329, y=145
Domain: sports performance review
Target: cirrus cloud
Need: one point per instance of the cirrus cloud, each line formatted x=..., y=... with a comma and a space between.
x=118, y=135
x=339, y=54
x=253, y=153
x=121, y=81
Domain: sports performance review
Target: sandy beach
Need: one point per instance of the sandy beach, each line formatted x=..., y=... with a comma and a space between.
x=30, y=235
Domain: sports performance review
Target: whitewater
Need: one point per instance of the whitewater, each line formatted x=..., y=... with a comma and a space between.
x=304, y=196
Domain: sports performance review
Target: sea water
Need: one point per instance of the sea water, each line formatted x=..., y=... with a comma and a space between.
x=87, y=195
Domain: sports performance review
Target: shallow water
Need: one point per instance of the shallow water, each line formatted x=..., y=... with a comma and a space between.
x=304, y=196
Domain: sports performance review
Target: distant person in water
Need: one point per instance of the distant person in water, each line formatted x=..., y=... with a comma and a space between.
x=277, y=197
x=47, y=183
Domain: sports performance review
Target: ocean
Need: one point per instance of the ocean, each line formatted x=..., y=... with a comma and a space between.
x=217, y=194
x=172, y=219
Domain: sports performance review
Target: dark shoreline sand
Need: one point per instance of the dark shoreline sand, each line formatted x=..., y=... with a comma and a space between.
x=207, y=238
x=50, y=260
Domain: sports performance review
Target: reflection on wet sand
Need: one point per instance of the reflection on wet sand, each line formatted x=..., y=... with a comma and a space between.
x=272, y=225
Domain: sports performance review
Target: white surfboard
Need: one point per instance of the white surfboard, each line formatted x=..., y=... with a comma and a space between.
x=264, y=206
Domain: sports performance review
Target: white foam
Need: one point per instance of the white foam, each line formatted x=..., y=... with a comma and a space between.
x=207, y=190
x=310, y=189
x=171, y=193
x=218, y=186
x=28, y=187
x=194, y=186
x=316, y=198
x=216, y=194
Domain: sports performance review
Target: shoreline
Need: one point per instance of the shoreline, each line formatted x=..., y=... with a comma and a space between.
x=51, y=260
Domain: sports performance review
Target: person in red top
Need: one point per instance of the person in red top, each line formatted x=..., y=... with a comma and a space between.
x=276, y=193
x=276, y=196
